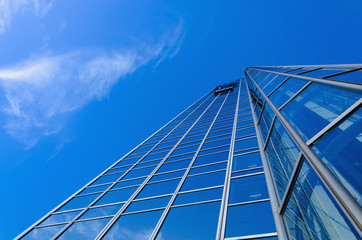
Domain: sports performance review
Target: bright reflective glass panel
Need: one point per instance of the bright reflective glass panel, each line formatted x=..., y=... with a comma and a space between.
x=247, y=189
x=323, y=217
x=191, y=222
x=198, y=196
x=60, y=218
x=84, y=230
x=249, y=219
x=101, y=211
x=160, y=188
x=204, y=180
x=246, y=161
x=317, y=106
x=79, y=202
x=134, y=226
x=341, y=151
x=285, y=91
x=116, y=196
x=148, y=204
x=44, y=233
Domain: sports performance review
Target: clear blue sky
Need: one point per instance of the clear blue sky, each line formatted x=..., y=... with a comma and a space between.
x=83, y=82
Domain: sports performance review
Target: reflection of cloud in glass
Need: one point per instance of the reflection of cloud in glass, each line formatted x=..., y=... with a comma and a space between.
x=123, y=233
x=43, y=233
x=85, y=230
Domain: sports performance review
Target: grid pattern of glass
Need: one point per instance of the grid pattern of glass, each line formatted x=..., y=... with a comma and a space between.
x=205, y=163
x=308, y=120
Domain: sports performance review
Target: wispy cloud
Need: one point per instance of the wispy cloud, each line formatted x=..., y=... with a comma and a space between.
x=9, y=8
x=41, y=91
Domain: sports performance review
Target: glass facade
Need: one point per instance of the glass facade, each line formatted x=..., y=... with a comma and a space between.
x=276, y=155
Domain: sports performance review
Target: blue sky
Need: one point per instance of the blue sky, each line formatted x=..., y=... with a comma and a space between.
x=83, y=82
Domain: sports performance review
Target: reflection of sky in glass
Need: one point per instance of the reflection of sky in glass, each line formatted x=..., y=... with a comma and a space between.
x=84, y=230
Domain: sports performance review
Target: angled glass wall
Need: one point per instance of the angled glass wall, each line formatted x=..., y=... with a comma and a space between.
x=308, y=120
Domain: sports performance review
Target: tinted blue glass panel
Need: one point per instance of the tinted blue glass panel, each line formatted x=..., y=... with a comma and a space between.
x=127, y=183
x=198, y=196
x=204, y=180
x=249, y=219
x=116, y=196
x=44, y=233
x=243, y=144
x=341, y=150
x=266, y=121
x=354, y=77
x=246, y=172
x=108, y=178
x=146, y=164
x=60, y=218
x=95, y=189
x=167, y=176
x=202, y=225
x=138, y=172
x=174, y=166
x=285, y=91
x=246, y=161
x=245, y=131
x=85, y=230
x=148, y=204
x=217, y=157
x=208, y=168
x=79, y=202
x=101, y=211
x=271, y=85
x=216, y=143
x=134, y=227
x=248, y=189
x=317, y=106
x=319, y=207
x=161, y=188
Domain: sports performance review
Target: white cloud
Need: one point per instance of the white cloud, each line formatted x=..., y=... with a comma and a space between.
x=9, y=8
x=42, y=91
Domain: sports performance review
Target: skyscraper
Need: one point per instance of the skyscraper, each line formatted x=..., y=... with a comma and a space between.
x=276, y=154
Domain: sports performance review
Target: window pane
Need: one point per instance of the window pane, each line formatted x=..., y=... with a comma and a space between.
x=148, y=204
x=134, y=226
x=285, y=91
x=116, y=196
x=198, y=196
x=204, y=180
x=249, y=219
x=341, y=150
x=246, y=161
x=79, y=202
x=208, y=168
x=60, y=218
x=217, y=157
x=246, y=144
x=317, y=106
x=139, y=172
x=44, y=233
x=325, y=219
x=156, y=189
x=245, y=132
x=248, y=189
x=174, y=166
x=108, y=178
x=101, y=211
x=165, y=176
x=191, y=222
x=129, y=183
x=84, y=230
x=95, y=189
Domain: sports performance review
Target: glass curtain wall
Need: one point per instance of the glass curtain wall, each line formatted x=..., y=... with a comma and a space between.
x=309, y=121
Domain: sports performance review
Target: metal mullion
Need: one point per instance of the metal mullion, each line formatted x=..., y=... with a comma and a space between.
x=162, y=219
x=196, y=203
x=335, y=122
x=203, y=173
x=226, y=134
x=279, y=223
x=247, y=149
x=94, y=218
x=50, y=225
x=101, y=195
x=247, y=169
x=142, y=211
x=277, y=87
x=217, y=140
x=261, y=112
x=107, y=204
x=118, y=214
x=341, y=73
x=246, y=153
x=341, y=195
x=164, y=180
x=247, y=136
x=295, y=95
x=269, y=133
x=130, y=186
x=200, y=189
x=310, y=70
x=291, y=183
x=181, y=169
x=178, y=160
x=265, y=78
x=293, y=69
x=225, y=145
x=248, y=175
x=220, y=233
x=249, y=202
x=67, y=211
x=334, y=83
